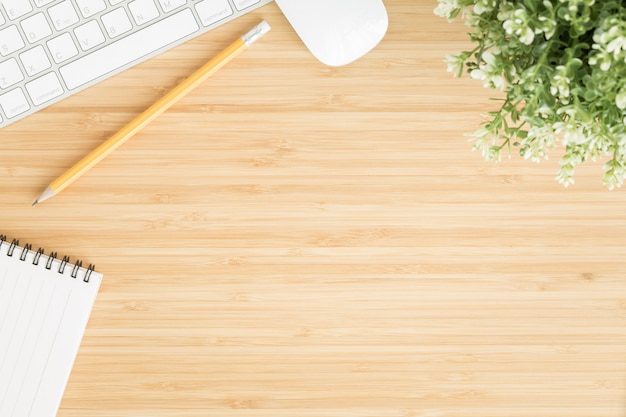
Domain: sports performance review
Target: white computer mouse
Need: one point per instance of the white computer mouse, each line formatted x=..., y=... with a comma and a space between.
x=337, y=32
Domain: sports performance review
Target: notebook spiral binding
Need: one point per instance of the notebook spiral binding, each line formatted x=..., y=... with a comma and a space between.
x=15, y=244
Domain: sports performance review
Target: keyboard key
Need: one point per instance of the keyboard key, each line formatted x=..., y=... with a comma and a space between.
x=211, y=11
x=244, y=4
x=169, y=5
x=89, y=8
x=35, y=60
x=10, y=73
x=14, y=102
x=44, y=88
x=10, y=40
x=63, y=15
x=62, y=48
x=128, y=49
x=16, y=8
x=116, y=22
x=36, y=27
x=89, y=35
x=143, y=11
x=44, y=38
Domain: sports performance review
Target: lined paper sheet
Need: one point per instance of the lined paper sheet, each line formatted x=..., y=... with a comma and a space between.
x=43, y=315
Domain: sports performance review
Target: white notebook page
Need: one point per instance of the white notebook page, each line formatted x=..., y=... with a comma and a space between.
x=43, y=315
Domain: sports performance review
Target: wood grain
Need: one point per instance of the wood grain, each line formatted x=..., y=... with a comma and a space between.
x=298, y=240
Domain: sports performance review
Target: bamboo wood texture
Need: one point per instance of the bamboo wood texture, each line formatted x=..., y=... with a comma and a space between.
x=297, y=240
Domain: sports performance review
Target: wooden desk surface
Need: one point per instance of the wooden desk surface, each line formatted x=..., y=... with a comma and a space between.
x=298, y=240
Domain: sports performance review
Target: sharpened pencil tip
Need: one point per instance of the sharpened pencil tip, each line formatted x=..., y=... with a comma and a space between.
x=47, y=193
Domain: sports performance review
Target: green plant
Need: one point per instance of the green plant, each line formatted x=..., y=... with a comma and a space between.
x=561, y=67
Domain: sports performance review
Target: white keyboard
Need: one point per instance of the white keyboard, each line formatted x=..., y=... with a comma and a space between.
x=51, y=49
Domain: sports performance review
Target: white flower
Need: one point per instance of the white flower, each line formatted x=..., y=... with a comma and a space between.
x=548, y=27
x=613, y=174
x=484, y=141
x=505, y=11
x=571, y=133
x=483, y=6
x=527, y=37
x=538, y=139
x=601, y=57
x=488, y=73
x=566, y=175
x=489, y=80
x=517, y=24
x=498, y=82
x=445, y=8
x=478, y=74
x=609, y=43
x=489, y=59
x=559, y=85
x=620, y=99
x=472, y=20
x=545, y=109
x=616, y=46
x=455, y=64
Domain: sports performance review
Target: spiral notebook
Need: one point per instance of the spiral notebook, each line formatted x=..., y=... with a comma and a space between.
x=45, y=303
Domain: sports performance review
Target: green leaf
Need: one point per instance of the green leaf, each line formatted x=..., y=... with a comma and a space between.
x=579, y=100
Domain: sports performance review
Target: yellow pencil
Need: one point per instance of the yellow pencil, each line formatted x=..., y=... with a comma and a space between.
x=152, y=112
